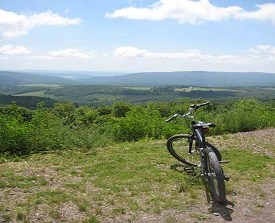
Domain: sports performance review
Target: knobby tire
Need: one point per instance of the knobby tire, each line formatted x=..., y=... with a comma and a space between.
x=184, y=158
x=215, y=177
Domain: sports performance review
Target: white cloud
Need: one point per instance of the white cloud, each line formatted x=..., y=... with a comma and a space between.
x=194, y=12
x=263, y=51
x=191, y=54
x=129, y=52
x=258, y=58
x=70, y=54
x=14, y=25
x=13, y=50
x=265, y=12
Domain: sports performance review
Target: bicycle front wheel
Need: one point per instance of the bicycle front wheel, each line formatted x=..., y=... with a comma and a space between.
x=178, y=147
x=215, y=177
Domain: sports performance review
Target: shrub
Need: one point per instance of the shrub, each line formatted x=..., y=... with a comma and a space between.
x=14, y=135
x=138, y=123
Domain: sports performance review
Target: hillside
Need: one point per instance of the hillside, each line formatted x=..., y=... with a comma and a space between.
x=138, y=182
x=26, y=101
x=18, y=78
x=187, y=78
x=180, y=78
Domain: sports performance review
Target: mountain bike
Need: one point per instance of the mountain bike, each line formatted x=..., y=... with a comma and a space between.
x=194, y=151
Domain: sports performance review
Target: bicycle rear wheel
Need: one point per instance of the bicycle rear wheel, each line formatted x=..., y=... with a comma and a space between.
x=215, y=150
x=215, y=177
x=178, y=147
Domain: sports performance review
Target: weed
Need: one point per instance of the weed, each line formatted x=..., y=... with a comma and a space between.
x=199, y=216
x=260, y=205
x=21, y=214
x=170, y=219
x=91, y=219
x=54, y=214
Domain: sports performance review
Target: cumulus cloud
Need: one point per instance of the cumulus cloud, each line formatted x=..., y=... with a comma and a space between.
x=194, y=12
x=70, y=54
x=265, y=12
x=191, y=54
x=129, y=52
x=263, y=51
x=15, y=25
x=261, y=54
x=13, y=50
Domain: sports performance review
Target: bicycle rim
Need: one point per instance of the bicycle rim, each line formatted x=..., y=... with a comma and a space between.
x=215, y=177
x=178, y=146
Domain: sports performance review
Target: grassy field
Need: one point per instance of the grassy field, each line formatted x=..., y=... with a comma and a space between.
x=132, y=182
x=190, y=89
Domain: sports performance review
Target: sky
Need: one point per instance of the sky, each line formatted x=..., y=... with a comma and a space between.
x=137, y=35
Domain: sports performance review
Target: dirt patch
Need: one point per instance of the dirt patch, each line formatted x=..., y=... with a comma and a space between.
x=70, y=212
x=248, y=208
x=256, y=141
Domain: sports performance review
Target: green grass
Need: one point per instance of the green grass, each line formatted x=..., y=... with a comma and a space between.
x=115, y=181
x=33, y=93
x=139, y=88
x=190, y=89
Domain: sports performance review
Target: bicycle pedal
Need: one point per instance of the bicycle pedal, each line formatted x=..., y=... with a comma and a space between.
x=224, y=161
x=189, y=169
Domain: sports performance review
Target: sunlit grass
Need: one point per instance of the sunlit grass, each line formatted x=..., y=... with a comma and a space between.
x=112, y=181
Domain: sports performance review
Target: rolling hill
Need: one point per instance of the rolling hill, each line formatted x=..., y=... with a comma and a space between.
x=180, y=78
x=197, y=78
x=19, y=78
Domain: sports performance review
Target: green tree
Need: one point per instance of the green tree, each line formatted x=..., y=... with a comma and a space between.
x=120, y=109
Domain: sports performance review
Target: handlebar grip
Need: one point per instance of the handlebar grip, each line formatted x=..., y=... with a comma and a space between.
x=203, y=104
x=199, y=105
x=171, y=118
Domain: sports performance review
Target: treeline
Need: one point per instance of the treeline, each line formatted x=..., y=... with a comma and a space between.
x=28, y=101
x=66, y=126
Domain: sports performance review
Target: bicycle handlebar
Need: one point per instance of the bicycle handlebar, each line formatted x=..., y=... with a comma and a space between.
x=188, y=114
x=196, y=106
x=171, y=118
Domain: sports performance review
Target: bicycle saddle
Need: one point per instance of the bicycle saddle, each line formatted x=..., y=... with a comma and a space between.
x=203, y=125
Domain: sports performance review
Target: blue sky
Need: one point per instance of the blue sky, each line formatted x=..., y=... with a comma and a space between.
x=137, y=35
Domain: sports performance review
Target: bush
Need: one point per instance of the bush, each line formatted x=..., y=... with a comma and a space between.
x=46, y=131
x=138, y=124
x=23, y=131
x=245, y=115
x=14, y=134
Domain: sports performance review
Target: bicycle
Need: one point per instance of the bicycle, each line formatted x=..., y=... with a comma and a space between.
x=208, y=159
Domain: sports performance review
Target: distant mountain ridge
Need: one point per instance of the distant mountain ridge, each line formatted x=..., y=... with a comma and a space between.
x=179, y=78
x=17, y=78
x=197, y=78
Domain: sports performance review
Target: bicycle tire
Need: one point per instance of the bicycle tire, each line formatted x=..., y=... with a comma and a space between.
x=181, y=156
x=215, y=150
x=180, y=151
x=215, y=177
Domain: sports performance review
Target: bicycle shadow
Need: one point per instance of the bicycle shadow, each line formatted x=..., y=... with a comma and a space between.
x=216, y=208
x=219, y=209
